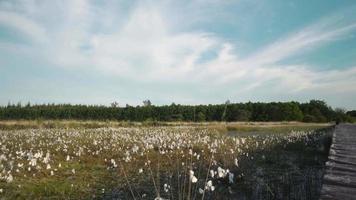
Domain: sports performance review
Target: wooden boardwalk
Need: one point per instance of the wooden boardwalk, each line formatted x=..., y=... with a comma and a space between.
x=340, y=174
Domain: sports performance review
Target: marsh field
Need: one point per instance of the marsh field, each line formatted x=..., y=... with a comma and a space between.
x=121, y=160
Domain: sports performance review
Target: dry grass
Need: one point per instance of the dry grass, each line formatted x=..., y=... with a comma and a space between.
x=221, y=126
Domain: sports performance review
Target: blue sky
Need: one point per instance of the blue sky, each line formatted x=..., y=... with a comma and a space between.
x=188, y=52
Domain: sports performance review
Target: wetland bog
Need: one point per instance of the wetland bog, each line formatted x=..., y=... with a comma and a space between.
x=186, y=161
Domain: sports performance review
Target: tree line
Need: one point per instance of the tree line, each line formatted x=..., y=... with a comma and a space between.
x=312, y=111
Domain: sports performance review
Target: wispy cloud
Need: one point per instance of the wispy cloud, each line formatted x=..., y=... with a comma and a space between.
x=264, y=65
x=141, y=42
x=27, y=27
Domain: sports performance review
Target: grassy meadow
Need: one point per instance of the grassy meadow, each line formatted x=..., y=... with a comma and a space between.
x=123, y=160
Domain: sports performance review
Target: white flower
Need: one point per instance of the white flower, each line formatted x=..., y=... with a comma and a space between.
x=166, y=187
x=33, y=162
x=140, y=170
x=73, y=171
x=236, y=162
x=209, y=186
x=9, y=178
x=46, y=159
x=192, y=177
x=209, y=183
x=221, y=172
x=212, y=188
x=113, y=163
x=191, y=173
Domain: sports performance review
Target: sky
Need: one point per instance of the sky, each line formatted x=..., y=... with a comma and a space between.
x=187, y=52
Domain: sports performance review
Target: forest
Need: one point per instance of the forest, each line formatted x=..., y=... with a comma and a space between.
x=312, y=111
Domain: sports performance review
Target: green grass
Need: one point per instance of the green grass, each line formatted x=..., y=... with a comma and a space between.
x=88, y=180
x=96, y=179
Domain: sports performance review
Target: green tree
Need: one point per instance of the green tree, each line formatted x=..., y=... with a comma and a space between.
x=200, y=117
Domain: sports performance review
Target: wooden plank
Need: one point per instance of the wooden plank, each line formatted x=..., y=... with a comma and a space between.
x=339, y=180
x=337, y=192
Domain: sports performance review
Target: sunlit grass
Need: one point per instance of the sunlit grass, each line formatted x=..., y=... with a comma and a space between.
x=145, y=162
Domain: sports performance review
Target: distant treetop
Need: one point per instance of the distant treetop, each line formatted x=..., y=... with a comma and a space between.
x=312, y=111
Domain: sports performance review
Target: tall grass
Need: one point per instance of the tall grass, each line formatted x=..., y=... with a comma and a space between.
x=108, y=162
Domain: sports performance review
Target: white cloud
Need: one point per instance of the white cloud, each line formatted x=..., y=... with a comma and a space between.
x=26, y=26
x=142, y=43
x=263, y=66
